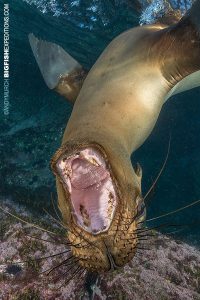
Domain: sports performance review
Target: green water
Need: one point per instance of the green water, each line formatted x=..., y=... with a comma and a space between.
x=38, y=116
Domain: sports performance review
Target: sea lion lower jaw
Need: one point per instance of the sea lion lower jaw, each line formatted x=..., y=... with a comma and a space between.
x=92, y=192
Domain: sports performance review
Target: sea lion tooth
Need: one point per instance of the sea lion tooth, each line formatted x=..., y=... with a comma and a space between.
x=92, y=161
x=87, y=155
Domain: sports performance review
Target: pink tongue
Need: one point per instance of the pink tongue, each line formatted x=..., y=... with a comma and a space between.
x=85, y=174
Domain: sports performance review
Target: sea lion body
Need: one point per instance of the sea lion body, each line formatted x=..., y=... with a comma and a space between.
x=122, y=94
x=115, y=111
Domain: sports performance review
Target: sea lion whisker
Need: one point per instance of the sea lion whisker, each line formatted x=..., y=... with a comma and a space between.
x=174, y=211
x=143, y=248
x=139, y=239
x=74, y=274
x=44, y=257
x=64, y=263
x=138, y=214
x=26, y=222
x=141, y=222
x=54, y=207
x=66, y=273
x=146, y=235
x=166, y=234
x=169, y=225
x=53, y=242
x=57, y=266
x=141, y=229
x=40, y=239
x=161, y=170
x=82, y=271
x=53, y=255
x=57, y=221
x=75, y=260
x=143, y=239
x=144, y=231
x=61, y=224
x=173, y=232
x=63, y=274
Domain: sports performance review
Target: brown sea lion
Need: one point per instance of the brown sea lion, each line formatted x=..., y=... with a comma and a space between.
x=117, y=105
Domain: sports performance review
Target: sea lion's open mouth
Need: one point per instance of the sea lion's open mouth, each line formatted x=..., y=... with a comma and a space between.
x=92, y=193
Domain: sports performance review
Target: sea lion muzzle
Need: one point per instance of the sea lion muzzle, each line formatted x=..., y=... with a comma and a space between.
x=99, y=221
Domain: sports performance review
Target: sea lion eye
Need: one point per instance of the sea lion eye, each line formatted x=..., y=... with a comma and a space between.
x=141, y=210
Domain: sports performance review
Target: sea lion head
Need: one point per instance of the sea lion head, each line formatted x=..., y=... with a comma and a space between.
x=99, y=196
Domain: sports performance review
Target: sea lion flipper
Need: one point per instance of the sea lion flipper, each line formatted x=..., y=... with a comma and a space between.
x=192, y=80
x=177, y=50
x=59, y=69
x=189, y=82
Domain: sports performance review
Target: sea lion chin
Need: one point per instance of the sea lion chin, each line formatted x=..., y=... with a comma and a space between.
x=101, y=209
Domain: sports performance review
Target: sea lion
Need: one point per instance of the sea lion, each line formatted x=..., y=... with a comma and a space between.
x=116, y=107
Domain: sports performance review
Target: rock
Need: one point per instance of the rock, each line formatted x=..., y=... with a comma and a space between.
x=170, y=269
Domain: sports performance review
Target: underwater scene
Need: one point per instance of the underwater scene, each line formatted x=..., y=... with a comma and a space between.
x=61, y=235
